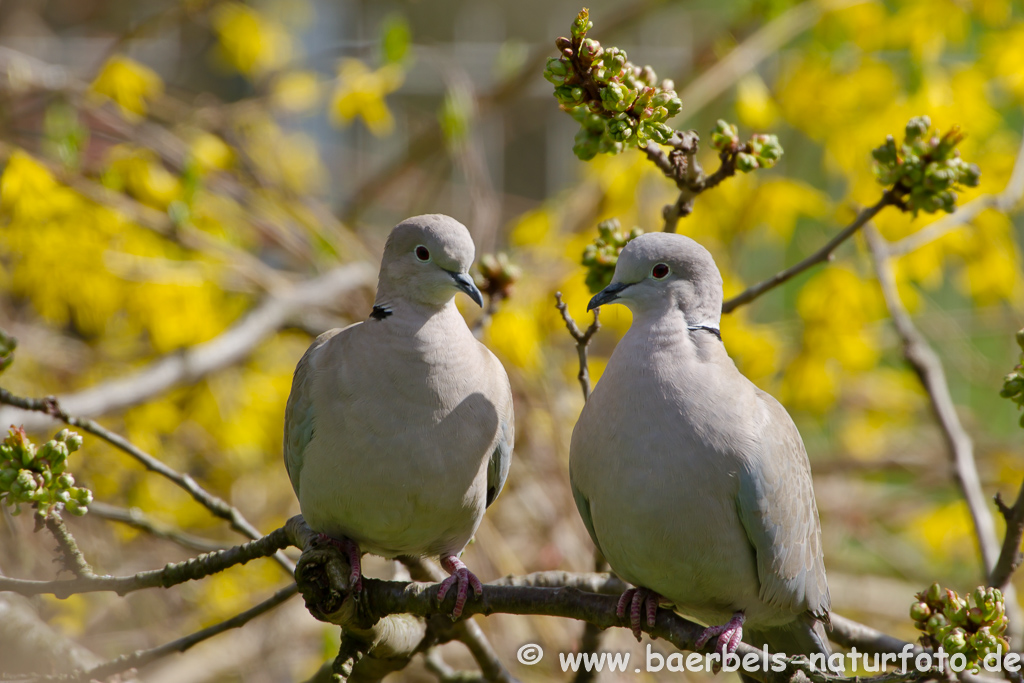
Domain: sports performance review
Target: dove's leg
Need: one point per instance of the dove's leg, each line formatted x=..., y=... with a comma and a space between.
x=635, y=599
x=729, y=634
x=355, y=559
x=460, y=575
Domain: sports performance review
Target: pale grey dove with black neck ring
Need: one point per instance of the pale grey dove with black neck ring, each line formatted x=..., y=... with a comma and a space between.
x=399, y=429
x=694, y=483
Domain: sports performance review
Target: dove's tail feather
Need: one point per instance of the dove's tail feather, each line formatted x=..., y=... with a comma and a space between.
x=804, y=636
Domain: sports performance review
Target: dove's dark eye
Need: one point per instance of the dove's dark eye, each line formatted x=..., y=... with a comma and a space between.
x=659, y=272
x=422, y=253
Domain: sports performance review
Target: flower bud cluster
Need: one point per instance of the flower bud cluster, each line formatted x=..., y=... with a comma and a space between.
x=974, y=626
x=926, y=168
x=7, y=346
x=761, y=151
x=617, y=103
x=38, y=476
x=602, y=254
x=496, y=276
x=1013, y=383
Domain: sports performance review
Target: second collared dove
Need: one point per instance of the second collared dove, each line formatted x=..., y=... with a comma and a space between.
x=399, y=430
x=692, y=482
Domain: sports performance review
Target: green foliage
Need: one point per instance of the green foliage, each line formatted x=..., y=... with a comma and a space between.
x=64, y=135
x=926, y=167
x=601, y=256
x=7, y=346
x=616, y=103
x=395, y=39
x=948, y=620
x=1013, y=383
x=38, y=477
x=456, y=114
x=761, y=151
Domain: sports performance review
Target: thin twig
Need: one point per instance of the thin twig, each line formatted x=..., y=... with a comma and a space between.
x=1010, y=557
x=232, y=346
x=445, y=673
x=74, y=560
x=170, y=575
x=822, y=255
x=142, y=658
x=582, y=341
x=137, y=519
x=217, y=506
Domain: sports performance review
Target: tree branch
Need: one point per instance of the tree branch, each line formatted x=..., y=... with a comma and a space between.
x=72, y=557
x=928, y=367
x=393, y=620
x=217, y=506
x=1010, y=557
x=170, y=575
x=137, y=519
x=466, y=631
x=926, y=364
x=189, y=366
x=822, y=255
x=381, y=598
x=582, y=341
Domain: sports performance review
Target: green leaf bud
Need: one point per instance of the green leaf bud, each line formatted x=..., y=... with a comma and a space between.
x=920, y=611
x=582, y=24
x=746, y=162
x=917, y=127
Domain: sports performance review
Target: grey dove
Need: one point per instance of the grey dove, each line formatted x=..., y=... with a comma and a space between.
x=693, y=483
x=399, y=429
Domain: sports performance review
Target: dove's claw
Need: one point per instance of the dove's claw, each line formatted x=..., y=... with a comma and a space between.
x=460, y=575
x=635, y=598
x=354, y=555
x=729, y=635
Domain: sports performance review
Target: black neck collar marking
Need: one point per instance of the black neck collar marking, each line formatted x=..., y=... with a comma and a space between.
x=713, y=330
x=380, y=312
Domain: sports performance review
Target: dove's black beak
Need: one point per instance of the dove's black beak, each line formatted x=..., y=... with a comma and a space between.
x=607, y=295
x=464, y=283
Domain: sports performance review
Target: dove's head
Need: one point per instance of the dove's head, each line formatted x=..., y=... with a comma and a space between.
x=660, y=271
x=426, y=260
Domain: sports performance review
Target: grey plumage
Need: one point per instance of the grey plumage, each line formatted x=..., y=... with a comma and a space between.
x=399, y=430
x=693, y=482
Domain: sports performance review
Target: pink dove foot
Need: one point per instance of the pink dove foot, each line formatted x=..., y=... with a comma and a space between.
x=460, y=575
x=635, y=598
x=354, y=555
x=729, y=635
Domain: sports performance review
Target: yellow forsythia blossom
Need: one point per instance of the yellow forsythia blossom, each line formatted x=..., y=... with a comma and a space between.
x=295, y=91
x=361, y=92
x=515, y=337
x=130, y=84
x=210, y=152
x=754, y=105
x=249, y=42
